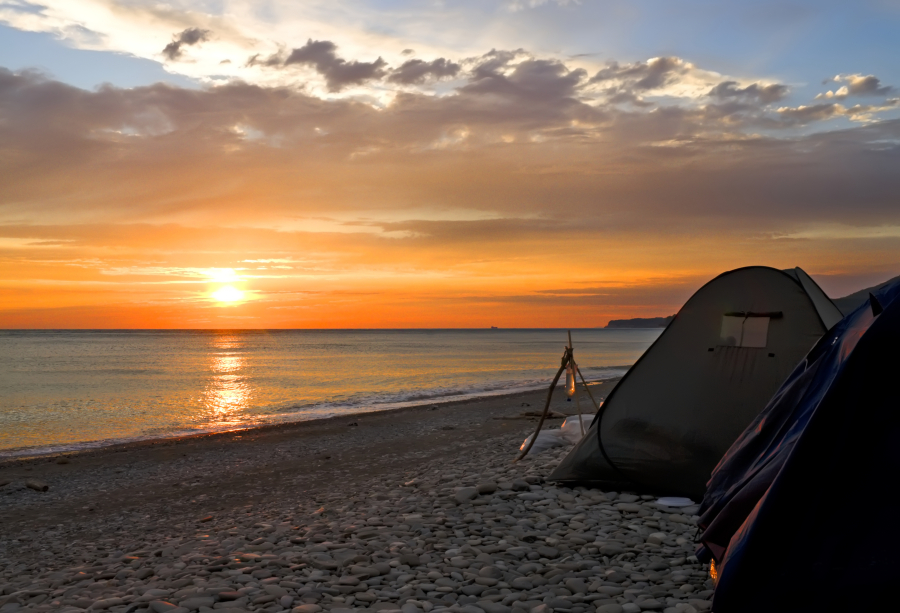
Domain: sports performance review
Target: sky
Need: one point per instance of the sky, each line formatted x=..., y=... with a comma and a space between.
x=436, y=164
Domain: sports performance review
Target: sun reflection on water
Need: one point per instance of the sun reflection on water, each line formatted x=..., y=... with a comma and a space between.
x=228, y=392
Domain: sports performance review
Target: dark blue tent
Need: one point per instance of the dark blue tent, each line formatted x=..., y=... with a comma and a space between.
x=800, y=514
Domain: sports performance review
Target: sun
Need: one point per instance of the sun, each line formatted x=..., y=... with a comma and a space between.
x=228, y=294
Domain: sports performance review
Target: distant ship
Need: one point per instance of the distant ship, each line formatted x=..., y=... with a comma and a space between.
x=494, y=328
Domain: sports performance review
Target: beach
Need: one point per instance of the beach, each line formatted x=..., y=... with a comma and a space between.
x=418, y=509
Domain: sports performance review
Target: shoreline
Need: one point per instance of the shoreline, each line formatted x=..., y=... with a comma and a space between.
x=416, y=510
x=16, y=455
x=148, y=469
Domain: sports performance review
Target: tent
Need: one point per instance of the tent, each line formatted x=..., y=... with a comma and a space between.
x=800, y=513
x=677, y=410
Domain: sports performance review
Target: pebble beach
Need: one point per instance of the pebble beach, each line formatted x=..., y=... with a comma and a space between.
x=418, y=510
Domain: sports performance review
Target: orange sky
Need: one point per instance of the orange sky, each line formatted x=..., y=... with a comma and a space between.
x=512, y=202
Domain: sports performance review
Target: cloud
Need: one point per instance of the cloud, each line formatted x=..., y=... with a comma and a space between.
x=417, y=71
x=520, y=140
x=519, y=5
x=643, y=76
x=188, y=37
x=540, y=205
x=804, y=115
x=856, y=85
x=530, y=80
x=765, y=94
x=338, y=73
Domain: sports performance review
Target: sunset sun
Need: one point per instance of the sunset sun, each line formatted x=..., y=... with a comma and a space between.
x=228, y=294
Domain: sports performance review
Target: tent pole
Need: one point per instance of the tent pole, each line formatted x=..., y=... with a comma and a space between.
x=596, y=406
x=575, y=373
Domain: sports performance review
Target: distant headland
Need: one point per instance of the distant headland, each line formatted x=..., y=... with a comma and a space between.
x=641, y=322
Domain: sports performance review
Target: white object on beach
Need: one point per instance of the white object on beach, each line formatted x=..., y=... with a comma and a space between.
x=547, y=439
x=673, y=501
x=571, y=429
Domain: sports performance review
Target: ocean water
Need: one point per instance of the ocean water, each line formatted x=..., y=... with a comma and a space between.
x=71, y=389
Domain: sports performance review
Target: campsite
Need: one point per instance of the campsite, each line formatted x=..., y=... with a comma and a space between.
x=469, y=306
x=421, y=510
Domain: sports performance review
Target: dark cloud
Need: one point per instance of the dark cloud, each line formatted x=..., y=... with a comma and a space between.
x=869, y=85
x=856, y=85
x=755, y=91
x=338, y=73
x=417, y=71
x=517, y=138
x=531, y=81
x=644, y=76
x=191, y=36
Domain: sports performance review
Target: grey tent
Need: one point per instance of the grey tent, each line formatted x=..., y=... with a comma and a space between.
x=665, y=425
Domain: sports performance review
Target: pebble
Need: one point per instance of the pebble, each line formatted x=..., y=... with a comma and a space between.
x=38, y=486
x=481, y=535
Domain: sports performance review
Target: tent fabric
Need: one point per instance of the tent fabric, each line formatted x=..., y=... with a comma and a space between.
x=800, y=514
x=678, y=409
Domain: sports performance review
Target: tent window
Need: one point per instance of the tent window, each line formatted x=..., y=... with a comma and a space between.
x=744, y=331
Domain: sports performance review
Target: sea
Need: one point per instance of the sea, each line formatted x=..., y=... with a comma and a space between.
x=65, y=390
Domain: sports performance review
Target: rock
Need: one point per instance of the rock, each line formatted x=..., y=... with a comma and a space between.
x=628, y=507
x=541, y=608
x=656, y=538
x=609, y=590
x=38, y=486
x=154, y=594
x=307, y=608
x=410, y=608
x=576, y=586
x=628, y=498
x=488, y=487
x=162, y=606
x=611, y=550
x=521, y=583
x=610, y=608
x=410, y=559
x=107, y=603
x=197, y=602
x=630, y=607
x=465, y=494
x=491, y=572
x=548, y=552
x=520, y=485
x=651, y=604
x=276, y=591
